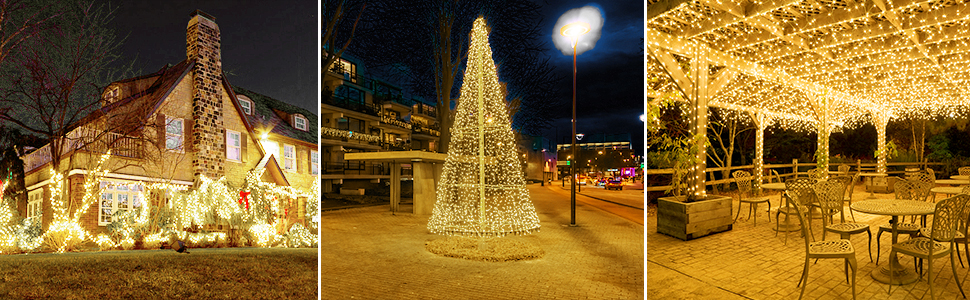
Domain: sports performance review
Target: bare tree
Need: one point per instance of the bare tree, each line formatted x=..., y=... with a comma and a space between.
x=725, y=127
x=51, y=83
x=333, y=15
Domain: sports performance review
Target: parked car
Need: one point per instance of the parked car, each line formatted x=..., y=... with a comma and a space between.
x=581, y=179
x=614, y=184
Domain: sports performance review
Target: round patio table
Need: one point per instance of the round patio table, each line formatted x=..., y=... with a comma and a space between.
x=949, y=190
x=953, y=182
x=960, y=177
x=894, y=208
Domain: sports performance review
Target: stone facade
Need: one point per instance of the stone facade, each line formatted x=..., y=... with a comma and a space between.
x=203, y=46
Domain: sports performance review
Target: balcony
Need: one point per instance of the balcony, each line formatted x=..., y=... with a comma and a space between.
x=396, y=98
x=87, y=139
x=389, y=119
x=396, y=146
x=347, y=136
x=367, y=108
x=428, y=110
x=354, y=167
x=424, y=129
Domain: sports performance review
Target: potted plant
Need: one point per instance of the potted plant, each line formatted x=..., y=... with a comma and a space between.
x=686, y=216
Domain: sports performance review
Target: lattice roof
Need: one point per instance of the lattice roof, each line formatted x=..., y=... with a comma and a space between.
x=898, y=57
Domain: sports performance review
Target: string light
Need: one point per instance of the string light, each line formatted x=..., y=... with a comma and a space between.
x=482, y=191
x=867, y=62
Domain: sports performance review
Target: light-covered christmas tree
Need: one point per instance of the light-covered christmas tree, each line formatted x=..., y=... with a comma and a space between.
x=482, y=190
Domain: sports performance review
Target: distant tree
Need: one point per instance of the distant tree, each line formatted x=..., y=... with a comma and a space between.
x=724, y=129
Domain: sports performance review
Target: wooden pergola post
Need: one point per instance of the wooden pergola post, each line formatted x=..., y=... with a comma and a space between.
x=699, y=70
x=881, y=120
x=759, y=147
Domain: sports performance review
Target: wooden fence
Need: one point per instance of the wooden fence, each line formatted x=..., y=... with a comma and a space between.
x=789, y=170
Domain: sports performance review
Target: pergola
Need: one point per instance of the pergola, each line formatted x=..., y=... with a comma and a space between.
x=816, y=63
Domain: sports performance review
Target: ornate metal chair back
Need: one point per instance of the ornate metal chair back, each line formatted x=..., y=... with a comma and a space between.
x=815, y=173
x=743, y=179
x=964, y=171
x=911, y=190
x=803, y=188
x=846, y=184
x=946, y=216
x=829, y=194
x=844, y=168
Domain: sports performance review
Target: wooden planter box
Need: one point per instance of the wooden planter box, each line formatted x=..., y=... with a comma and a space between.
x=688, y=221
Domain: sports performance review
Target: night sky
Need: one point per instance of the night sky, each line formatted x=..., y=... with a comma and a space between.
x=269, y=47
x=609, y=91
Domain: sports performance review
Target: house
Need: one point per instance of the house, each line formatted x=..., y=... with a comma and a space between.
x=360, y=113
x=175, y=127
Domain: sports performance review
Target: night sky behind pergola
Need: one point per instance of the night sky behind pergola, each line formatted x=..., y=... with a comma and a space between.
x=609, y=79
x=269, y=47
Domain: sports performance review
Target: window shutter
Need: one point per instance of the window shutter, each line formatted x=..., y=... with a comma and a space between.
x=160, y=131
x=225, y=142
x=243, y=154
x=188, y=138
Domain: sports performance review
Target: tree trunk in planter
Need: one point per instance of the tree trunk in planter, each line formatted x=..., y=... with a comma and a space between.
x=688, y=221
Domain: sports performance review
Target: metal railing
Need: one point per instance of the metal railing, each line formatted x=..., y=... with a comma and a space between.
x=389, y=119
x=396, y=146
x=347, y=135
x=422, y=129
x=424, y=109
x=367, y=108
x=396, y=98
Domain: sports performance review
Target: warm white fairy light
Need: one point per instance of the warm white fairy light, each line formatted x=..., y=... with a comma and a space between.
x=482, y=190
x=905, y=60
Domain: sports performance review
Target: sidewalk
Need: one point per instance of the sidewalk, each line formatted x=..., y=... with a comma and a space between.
x=368, y=253
x=750, y=262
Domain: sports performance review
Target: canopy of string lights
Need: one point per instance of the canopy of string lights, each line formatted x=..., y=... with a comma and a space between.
x=853, y=61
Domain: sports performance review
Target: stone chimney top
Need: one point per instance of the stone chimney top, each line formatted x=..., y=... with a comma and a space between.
x=199, y=12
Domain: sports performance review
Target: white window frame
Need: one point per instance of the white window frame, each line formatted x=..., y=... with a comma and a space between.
x=297, y=122
x=111, y=194
x=230, y=146
x=246, y=105
x=178, y=138
x=35, y=205
x=314, y=162
x=289, y=158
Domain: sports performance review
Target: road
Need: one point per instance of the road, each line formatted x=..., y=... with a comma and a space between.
x=626, y=203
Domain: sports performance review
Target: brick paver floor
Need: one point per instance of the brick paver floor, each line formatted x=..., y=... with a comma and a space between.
x=750, y=262
x=369, y=253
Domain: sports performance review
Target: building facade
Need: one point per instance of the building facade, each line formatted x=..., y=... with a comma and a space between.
x=359, y=113
x=175, y=126
x=599, y=156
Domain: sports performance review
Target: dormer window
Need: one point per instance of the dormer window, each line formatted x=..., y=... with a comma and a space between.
x=246, y=104
x=111, y=95
x=300, y=122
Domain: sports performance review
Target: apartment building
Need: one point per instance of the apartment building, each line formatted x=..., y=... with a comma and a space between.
x=360, y=113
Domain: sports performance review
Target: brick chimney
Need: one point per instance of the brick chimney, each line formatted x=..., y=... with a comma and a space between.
x=202, y=44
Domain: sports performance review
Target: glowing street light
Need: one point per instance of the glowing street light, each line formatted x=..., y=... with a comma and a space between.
x=578, y=24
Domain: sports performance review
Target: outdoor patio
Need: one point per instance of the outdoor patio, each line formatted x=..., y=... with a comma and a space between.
x=750, y=262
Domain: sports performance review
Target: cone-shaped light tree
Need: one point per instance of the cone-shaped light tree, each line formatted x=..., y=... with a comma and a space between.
x=482, y=189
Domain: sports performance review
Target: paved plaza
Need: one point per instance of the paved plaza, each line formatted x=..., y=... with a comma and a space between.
x=750, y=262
x=370, y=253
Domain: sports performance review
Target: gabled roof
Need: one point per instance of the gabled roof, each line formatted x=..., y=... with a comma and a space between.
x=271, y=113
x=165, y=81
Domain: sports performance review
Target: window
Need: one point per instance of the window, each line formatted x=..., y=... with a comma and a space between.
x=118, y=196
x=247, y=106
x=299, y=122
x=289, y=158
x=35, y=206
x=232, y=146
x=173, y=133
x=314, y=162
x=112, y=95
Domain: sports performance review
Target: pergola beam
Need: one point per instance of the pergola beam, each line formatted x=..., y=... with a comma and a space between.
x=726, y=18
x=661, y=7
x=673, y=69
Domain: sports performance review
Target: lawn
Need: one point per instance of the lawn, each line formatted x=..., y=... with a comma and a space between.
x=213, y=273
